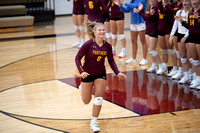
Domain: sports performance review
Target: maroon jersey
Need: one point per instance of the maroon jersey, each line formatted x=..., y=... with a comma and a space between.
x=151, y=21
x=165, y=21
x=116, y=12
x=108, y=4
x=193, y=23
x=173, y=8
x=94, y=10
x=95, y=58
x=78, y=7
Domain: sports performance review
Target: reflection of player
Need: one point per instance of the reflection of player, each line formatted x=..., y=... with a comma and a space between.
x=164, y=95
x=179, y=97
x=186, y=98
x=139, y=97
x=174, y=91
x=152, y=101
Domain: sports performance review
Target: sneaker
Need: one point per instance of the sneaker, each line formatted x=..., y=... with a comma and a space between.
x=193, y=81
x=143, y=62
x=172, y=72
x=76, y=44
x=153, y=68
x=114, y=53
x=185, y=79
x=94, y=127
x=80, y=45
x=195, y=84
x=131, y=60
x=122, y=54
x=161, y=70
x=178, y=75
x=198, y=87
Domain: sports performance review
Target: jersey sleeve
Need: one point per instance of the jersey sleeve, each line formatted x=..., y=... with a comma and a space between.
x=111, y=61
x=80, y=55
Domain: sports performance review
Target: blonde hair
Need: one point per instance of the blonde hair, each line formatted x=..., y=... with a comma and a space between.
x=92, y=26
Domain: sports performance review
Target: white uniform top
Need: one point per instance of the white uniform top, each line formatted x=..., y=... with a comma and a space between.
x=177, y=24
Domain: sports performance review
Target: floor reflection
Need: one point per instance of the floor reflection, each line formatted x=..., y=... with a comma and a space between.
x=147, y=93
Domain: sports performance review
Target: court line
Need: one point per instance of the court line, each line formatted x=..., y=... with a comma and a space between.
x=11, y=115
x=43, y=36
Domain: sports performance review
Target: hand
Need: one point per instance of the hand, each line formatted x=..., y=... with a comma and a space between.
x=140, y=6
x=178, y=18
x=84, y=74
x=121, y=76
x=121, y=2
x=135, y=10
x=196, y=15
x=116, y=2
x=152, y=11
x=183, y=40
x=171, y=40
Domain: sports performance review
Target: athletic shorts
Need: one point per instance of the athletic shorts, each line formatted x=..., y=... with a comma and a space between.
x=116, y=19
x=163, y=34
x=180, y=36
x=106, y=17
x=138, y=27
x=155, y=36
x=92, y=78
x=194, y=39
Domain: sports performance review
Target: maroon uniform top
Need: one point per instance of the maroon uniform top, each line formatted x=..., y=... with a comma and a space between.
x=116, y=12
x=151, y=21
x=166, y=19
x=108, y=4
x=95, y=58
x=173, y=8
x=78, y=7
x=94, y=10
x=193, y=24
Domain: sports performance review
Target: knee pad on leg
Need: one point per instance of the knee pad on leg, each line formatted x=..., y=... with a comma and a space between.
x=98, y=100
x=108, y=35
x=153, y=53
x=183, y=60
x=191, y=60
x=80, y=27
x=76, y=27
x=121, y=36
x=164, y=51
x=178, y=54
x=196, y=62
x=113, y=36
x=171, y=51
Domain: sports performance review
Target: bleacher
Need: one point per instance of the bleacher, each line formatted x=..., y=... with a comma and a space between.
x=20, y=15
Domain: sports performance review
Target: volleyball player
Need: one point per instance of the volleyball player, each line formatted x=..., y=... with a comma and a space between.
x=194, y=40
x=173, y=8
x=151, y=19
x=93, y=72
x=165, y=23
x=78, y=20
x=137, y=27
x=183, y=34
x=95, y=9
x=106, y=17
x=117, y=27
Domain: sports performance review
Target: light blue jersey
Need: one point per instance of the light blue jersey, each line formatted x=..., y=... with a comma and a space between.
x=135, y=18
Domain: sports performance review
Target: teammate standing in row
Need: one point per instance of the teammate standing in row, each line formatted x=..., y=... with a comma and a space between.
x=137, y=27
x=78, y=20
x=117, y=27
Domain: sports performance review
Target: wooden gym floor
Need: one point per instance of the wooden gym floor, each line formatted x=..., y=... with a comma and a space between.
x=39, y=80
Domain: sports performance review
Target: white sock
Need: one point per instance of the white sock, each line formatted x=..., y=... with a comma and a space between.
x=94, y=120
